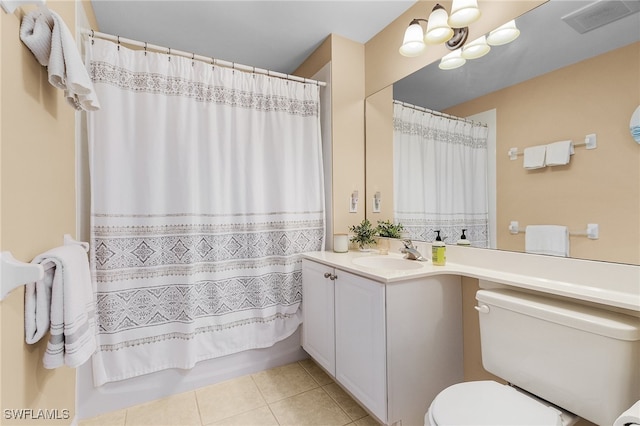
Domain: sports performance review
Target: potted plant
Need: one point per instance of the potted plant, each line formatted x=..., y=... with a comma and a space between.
x=363, y=234
x=389, y=230
x=385, y=230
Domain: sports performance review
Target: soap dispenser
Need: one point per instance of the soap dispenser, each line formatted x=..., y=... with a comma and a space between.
x=463, y=239
x=438, y=251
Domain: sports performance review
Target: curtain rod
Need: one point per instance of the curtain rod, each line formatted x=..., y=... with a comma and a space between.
x=193, y=56
x=438, y=113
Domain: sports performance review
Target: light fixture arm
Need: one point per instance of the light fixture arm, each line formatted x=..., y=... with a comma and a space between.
x=417, y=21
x=458, y=39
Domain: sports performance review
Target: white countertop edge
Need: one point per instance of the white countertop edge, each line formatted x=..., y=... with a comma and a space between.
x=576, y=290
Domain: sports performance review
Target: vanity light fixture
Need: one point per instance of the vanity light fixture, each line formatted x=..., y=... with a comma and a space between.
x=476, y=49
x=463, y=12
x=503, y=34
x=481, y=46
x=452, y=60
x=441, y=27
x=438, y=28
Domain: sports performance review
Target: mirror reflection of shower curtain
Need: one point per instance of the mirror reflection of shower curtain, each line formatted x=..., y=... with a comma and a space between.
x=440, y=176
x=206, y=184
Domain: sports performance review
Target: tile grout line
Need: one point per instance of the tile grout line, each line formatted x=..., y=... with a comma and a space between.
x=331, y=397
x=195, y=395
x=264, y=399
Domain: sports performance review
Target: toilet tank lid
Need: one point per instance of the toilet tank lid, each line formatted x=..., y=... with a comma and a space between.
x=598, y=321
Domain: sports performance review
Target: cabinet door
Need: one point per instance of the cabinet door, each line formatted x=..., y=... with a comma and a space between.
x=361, y=340
x=318, y=337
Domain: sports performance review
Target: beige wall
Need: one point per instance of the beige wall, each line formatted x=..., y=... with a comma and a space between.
x=37, y=179
x=379, y=153
x=598, y=186
x=347, y=127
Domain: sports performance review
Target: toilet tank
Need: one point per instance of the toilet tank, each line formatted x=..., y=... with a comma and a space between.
x=583, y=359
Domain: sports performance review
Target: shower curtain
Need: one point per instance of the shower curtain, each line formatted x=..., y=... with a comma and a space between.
x=440, y=176
x=206, y=184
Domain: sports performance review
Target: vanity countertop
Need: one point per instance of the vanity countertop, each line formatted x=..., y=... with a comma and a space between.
x=605, y=283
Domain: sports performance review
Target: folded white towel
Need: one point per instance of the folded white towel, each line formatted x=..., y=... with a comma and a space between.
x=547, y=239
x=534, y=157
x=629, y=417
x=63, y=302
x=559, y=153
x=44, y=32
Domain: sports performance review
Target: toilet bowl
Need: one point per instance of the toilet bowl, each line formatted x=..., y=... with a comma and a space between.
x=491, y=403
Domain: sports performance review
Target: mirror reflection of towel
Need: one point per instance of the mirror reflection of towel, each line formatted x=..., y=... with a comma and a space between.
x=534, y=157
x=547, y=239
x=559, y=153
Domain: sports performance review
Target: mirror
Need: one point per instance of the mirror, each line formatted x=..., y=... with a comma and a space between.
x=551, y=84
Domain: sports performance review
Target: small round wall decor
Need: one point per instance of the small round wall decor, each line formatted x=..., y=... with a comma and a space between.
x=634, y=125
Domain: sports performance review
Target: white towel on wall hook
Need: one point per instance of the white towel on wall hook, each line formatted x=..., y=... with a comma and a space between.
x=44, y=32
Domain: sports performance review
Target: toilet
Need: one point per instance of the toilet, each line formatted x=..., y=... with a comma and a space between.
x=563, y=361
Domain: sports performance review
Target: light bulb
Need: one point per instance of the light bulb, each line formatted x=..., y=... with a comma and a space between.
x=463, y=13
x=438, y=29
x=503, y=34
x=476, y=49
x=413, y=43
x=452, y=60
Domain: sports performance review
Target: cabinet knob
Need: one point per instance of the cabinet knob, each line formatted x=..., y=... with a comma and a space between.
x=327, y=274
x=333, y=277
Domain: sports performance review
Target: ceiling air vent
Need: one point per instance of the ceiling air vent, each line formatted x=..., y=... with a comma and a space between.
x=600, y=13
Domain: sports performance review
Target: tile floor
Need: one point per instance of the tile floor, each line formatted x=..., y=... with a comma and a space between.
x=294, y=394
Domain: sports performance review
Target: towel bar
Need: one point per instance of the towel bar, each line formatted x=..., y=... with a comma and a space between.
x=10, y=6
x=590, y=142
x=15, y=273
x=592, y=232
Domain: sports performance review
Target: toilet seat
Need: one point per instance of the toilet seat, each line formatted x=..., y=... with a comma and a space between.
x=489, y=403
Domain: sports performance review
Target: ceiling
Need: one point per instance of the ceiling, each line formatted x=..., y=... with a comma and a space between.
x=280, y=35
x=274, y=35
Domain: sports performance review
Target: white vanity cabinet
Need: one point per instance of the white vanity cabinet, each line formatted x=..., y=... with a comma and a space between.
x=318, y=332
x=361, y=340
x=392, y=346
